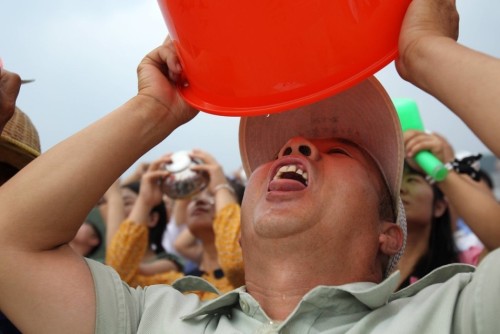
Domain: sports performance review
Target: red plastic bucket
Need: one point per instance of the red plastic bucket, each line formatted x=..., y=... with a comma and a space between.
x=256, y=57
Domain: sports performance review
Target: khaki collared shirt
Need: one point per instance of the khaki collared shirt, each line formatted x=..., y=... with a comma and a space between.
x=451, y=299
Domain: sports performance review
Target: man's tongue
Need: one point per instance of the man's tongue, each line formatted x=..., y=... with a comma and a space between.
x=286, y=185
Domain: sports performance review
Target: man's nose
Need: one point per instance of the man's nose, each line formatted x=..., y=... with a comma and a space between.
x=300, y=145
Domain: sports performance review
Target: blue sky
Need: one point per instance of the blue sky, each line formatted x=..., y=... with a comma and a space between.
x=83, y=55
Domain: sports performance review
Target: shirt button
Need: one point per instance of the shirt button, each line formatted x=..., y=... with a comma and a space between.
x=245, y=307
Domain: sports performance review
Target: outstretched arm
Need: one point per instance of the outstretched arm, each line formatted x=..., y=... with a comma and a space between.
x=42, y=207
x=114, y=212
x=466, y=81
x=479, y=209
x=129, y=243
x=226, y=224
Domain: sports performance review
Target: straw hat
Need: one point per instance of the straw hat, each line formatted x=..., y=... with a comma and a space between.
x=19, y=141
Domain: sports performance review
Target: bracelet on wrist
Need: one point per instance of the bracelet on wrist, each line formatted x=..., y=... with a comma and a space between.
x=465, y=165
x=224, y=186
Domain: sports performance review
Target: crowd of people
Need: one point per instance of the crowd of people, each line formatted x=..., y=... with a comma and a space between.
x=333, y=227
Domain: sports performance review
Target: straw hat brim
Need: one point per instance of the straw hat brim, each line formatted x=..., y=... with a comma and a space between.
x=16, y=153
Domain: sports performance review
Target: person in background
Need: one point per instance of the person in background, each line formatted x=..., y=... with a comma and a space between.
x=187, y=245
x=465, y=238
x=471, y=201
x=96, y=218
x=184, y=242
x=430, y=242
x=206, y=210
x=87, y=240
x=149, y=254
x=177, y=229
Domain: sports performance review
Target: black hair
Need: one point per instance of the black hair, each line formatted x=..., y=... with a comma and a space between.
x=238, y=187
x=156, y=232
x=7, y=171
x=442, y=248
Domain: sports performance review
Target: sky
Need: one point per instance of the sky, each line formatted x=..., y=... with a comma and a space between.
x=83, y=55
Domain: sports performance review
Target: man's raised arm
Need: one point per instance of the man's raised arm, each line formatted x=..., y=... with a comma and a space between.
x=466, y=81
x=44, y=286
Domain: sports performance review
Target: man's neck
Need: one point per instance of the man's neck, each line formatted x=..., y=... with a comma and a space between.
x=279, y=284
x=278, y=304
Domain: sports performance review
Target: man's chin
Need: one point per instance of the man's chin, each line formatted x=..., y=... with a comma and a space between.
x=279, y=228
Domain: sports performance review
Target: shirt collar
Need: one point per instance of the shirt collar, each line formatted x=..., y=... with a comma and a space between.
x=370, y=294
x=363, y=295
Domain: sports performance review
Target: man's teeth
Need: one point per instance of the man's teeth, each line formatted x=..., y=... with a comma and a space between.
x=292, y=169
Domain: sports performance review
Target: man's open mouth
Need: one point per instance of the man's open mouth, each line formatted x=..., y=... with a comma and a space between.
x=292, y=172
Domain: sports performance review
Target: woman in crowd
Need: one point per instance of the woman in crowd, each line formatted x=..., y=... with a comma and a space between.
x=430, y=241
x=208, y=215
x=87, y=240
x=152, y=256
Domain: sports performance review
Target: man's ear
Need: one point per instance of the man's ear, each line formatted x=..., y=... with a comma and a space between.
x=154, y=217
x=390, y=238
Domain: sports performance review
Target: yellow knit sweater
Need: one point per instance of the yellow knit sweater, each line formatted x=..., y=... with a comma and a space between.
x=130, y=243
